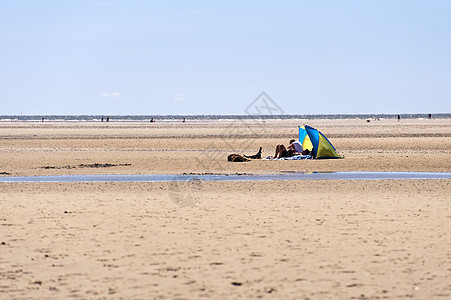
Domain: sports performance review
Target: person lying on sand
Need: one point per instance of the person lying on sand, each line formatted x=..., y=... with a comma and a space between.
x=255, y=156
x=281, y=151
x=244, y=157
x=295, y=148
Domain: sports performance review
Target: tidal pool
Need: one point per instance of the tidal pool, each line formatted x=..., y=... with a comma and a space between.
x=233, y=177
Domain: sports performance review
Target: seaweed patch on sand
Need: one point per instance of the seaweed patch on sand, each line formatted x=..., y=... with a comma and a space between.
x=95, y=165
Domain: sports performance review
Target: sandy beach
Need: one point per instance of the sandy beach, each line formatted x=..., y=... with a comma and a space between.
x=334, y=239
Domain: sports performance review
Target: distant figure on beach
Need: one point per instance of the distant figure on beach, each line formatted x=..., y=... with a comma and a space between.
x=42, y=119
x=107, y=119
x=183, y=120
x=399, y=118
x=429, y=116
x=102, y=118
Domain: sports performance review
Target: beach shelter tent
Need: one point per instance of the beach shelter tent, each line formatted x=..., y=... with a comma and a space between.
x=315, y=141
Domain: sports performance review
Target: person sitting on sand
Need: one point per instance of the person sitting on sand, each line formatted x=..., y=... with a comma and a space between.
x=296, y=146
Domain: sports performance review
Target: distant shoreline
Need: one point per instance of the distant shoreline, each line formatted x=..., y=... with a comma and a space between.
x=15, y=118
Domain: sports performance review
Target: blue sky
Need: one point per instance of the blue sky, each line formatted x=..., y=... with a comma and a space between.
x=215, y=57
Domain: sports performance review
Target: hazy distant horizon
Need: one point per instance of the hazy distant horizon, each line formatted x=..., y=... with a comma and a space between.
x=215, y=117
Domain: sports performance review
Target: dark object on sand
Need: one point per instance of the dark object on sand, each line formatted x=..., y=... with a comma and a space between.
x=255, y=156
x=237, y=158
x=97, y=165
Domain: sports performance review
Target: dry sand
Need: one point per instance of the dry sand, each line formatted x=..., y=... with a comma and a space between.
x=334, y=239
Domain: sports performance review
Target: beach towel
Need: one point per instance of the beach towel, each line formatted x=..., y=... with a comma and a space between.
x=295, y=157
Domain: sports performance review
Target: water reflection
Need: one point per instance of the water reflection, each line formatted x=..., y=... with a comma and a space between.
x=286, y=175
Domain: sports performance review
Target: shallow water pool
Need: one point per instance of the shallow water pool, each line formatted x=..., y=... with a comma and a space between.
x=233, y=177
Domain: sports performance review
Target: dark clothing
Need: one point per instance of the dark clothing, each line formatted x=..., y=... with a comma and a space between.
x=287, y=153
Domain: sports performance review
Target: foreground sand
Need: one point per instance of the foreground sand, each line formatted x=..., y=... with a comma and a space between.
x=287, y=240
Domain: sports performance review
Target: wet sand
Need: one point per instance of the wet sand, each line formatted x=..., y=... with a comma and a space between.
x=175, y=148
x=225, y=240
